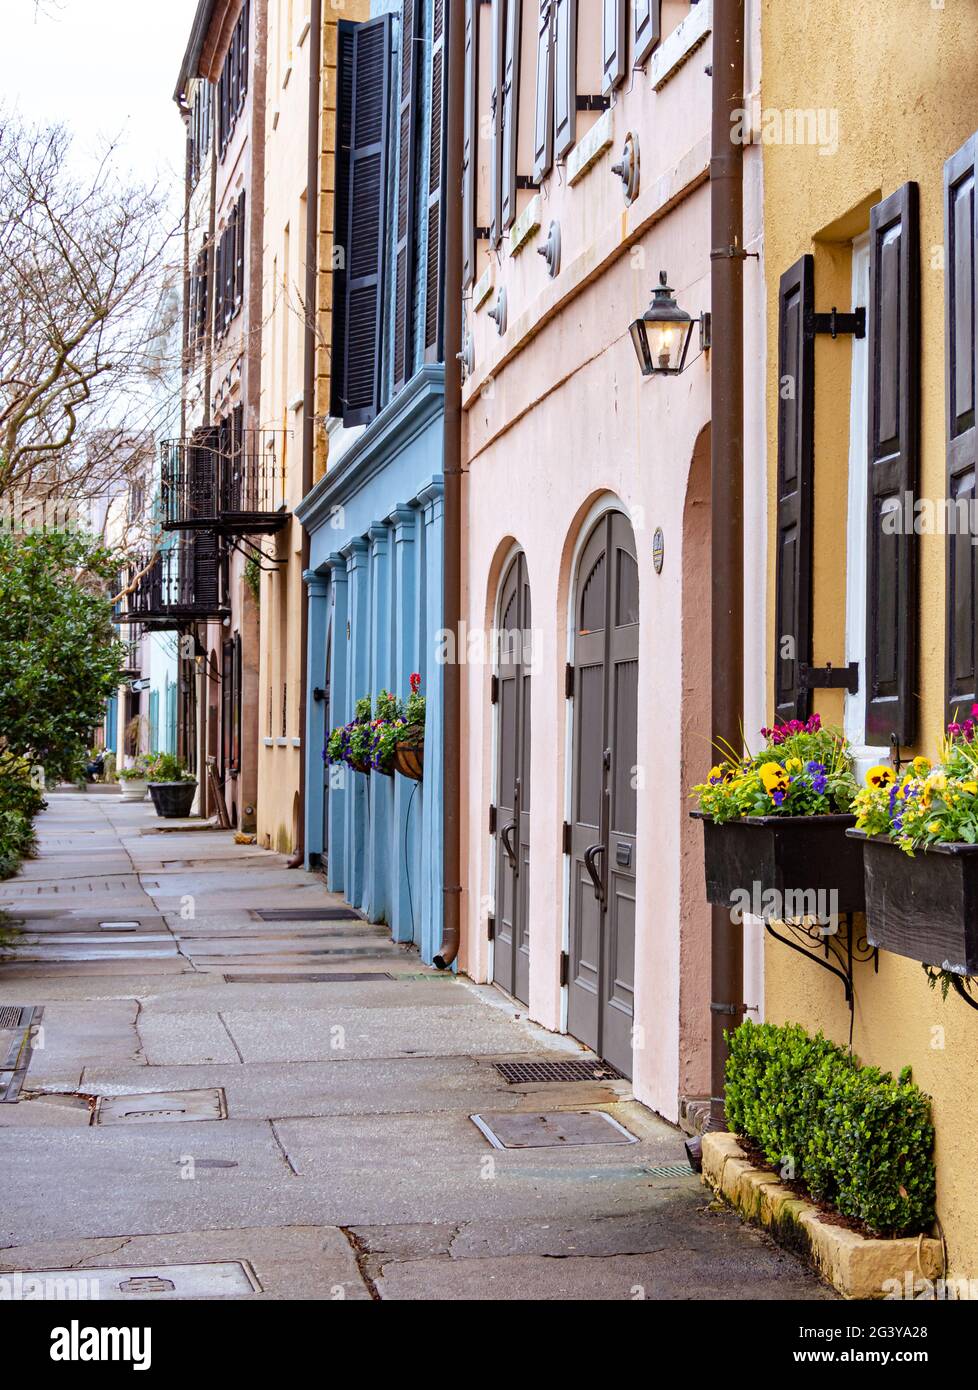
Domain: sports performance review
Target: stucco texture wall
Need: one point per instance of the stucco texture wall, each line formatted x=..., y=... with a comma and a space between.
x=901, y=79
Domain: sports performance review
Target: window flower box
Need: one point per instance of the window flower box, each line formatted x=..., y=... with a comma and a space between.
x=802, y=859
x=924, y=907
x=774, y=826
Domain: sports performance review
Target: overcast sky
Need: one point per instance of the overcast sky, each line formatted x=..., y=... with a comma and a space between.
x=106, y=69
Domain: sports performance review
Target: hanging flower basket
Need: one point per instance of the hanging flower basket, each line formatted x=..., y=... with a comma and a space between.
x=409, y=755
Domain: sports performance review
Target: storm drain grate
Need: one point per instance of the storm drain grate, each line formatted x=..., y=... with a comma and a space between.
x=671, y=1170
x=346, y=977
x=307, y=914
x=515, y=1073
x=11, y=1015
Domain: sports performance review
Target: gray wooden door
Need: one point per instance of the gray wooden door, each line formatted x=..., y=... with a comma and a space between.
x=603, y=847
x=511, y=957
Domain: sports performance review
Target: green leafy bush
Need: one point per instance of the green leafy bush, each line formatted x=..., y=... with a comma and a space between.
x=20, y=802
x=858, y=1139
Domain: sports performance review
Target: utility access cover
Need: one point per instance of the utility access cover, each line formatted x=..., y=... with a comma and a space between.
x=153, y=1106
x=230, y=1279
x=559, y=1129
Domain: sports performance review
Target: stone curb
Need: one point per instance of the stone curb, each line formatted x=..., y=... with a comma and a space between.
x=859, y=1267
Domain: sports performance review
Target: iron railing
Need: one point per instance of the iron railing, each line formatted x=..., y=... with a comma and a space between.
x=184, y=582
x=224, y=479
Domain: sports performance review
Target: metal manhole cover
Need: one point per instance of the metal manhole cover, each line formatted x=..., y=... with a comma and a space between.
x=347, y=977
x=155, y=1106
x=228, y=1279
x=513, y=1073
x=560, y=1129
x=307, y=914
x=671, y=1170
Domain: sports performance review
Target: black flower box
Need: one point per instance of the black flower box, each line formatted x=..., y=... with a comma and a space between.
x=802, y=858
x=924, y=907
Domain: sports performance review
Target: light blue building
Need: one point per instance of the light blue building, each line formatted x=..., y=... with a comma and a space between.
x=375, y=519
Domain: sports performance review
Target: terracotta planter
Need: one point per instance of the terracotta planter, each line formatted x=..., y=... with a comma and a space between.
x=925, y=907
x=786, y=854
x=173, y=799
x=409, y=757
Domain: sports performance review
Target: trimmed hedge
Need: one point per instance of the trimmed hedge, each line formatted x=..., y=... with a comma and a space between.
x=20, y=802
x=856, y=1138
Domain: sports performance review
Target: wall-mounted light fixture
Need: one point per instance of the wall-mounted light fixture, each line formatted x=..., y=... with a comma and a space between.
x=661, y=336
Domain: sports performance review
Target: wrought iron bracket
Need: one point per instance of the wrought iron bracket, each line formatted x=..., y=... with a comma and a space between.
x=961, y=989
x=829, y=677
x=835, y=323
x=843, y=953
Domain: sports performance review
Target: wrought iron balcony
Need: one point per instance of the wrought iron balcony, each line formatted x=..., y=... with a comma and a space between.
x=225, y=479
x=183, y=583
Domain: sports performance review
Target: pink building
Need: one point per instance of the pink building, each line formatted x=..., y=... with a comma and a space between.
x=587, y=525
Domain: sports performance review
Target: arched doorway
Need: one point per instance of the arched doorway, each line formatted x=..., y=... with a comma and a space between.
x=511, y=693
x=601, y=975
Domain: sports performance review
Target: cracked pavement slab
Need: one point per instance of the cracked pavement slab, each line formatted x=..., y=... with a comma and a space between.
x=348, y=1165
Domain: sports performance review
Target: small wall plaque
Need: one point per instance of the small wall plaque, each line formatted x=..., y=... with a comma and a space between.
x=658, y=549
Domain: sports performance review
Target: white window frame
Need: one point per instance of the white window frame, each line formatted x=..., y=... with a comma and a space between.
x=857, y=560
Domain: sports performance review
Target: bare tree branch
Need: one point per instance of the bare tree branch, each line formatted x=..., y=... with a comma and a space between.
x=82, y=266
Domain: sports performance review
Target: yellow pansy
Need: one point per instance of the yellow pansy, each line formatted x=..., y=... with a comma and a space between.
x=880, y=776
x=921, y=766
x=970, y=787
x=793, y=764
x=934, y=827
x=773, y=777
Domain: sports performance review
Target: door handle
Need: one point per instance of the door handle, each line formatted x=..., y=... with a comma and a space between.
x=590, y=854
x=507, y=846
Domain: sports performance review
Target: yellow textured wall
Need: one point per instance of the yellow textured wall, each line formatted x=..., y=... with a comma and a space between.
x=902, y=77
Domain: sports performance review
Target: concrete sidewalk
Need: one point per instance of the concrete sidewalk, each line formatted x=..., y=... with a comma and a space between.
x=221, y=1105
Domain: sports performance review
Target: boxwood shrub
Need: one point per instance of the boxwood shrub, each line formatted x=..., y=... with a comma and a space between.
x=856, y=1138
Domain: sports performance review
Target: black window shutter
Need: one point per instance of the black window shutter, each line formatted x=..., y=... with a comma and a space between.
x=961, y=677
x=406, y=177
x=239, y=259
x=565, y=80
x=341, y=213
x=795, y=484
x=219, y=288
x=510, y=113
x=543, y=119
x=894, y=455
x=206, y=578
x=647, y=28
x=470, y=143
x=367, y=220
x=614, y=44
x=233, y=67
x=243, y=51
x=496, y=117
x=436, y=175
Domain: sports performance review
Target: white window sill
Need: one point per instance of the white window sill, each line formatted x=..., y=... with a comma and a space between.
x=678, y=47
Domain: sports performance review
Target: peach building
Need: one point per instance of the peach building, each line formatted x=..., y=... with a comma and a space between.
x=587, y=525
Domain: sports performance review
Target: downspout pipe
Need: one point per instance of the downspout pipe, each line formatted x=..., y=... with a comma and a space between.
x=727, y=486
x=452, y=473
x=308, y=390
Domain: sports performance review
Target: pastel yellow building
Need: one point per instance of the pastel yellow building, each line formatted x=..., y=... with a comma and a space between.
x=863, y=110
x=283, y=402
